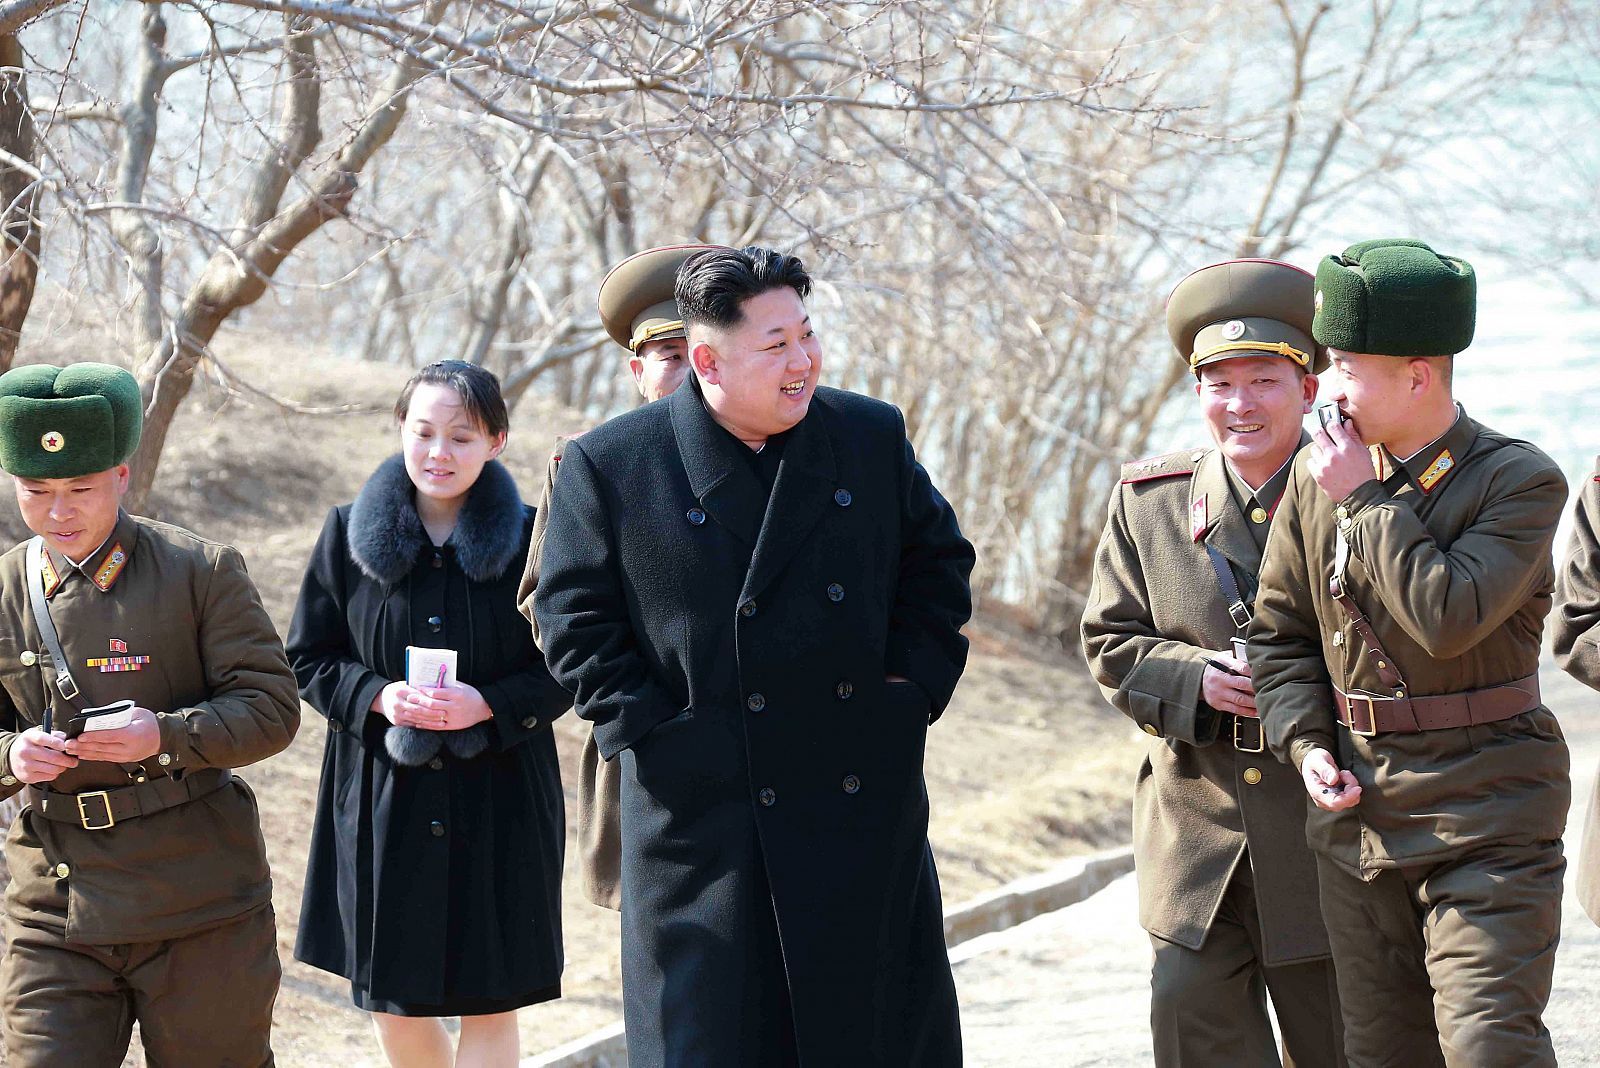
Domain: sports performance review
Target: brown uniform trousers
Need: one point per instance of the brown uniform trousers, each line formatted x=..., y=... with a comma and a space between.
x=1442, y=888
x=1227, y=885
x=599, y=781
x=1575, y=634
x=166, y=917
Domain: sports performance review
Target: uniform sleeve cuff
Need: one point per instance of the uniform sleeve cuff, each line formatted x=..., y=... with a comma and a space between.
x=1304, y=744
x=175, y=751
x=9, y=783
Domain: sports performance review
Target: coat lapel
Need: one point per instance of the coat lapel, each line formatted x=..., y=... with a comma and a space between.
x=1227, y=531
x=718, y=476
x=803, y=491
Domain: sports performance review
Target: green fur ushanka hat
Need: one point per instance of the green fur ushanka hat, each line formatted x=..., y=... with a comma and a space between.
x=62, y=422
x=1395, y=298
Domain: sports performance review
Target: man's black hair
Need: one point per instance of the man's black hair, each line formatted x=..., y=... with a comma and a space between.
x=713, y=285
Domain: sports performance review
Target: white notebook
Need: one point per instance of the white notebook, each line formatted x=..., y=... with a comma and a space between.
x=432, y=668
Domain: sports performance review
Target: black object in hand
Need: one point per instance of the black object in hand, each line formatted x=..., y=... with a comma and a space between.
x=1225, y=669
x=77, y=724
x=1328, y=413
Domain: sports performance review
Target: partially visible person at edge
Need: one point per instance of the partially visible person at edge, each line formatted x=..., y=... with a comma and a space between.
x=1395, y=651
x=1227, y=885
x=434, y=880
x=139, y=884
x=756, y=595
x=638, y=311
x=1575, y=633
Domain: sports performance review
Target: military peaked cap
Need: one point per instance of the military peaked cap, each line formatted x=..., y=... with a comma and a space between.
x=1244, y=308
x=1395, y=298
x=636, y=300
x=62, y=422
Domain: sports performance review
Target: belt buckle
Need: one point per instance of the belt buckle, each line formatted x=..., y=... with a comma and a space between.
x=1261, y=736
x=84, y=815
x=1372, y=715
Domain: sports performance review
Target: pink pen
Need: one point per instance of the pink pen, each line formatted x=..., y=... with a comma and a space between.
x=444, y=669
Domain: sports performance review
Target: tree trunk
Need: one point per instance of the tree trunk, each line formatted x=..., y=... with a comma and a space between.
x=19, y=230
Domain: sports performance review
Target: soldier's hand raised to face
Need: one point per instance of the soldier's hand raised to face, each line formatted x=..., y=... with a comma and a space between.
x=40, y=757
x=1229, y=693
x=1339, y=460
x=139, y=740
x=1330, y=787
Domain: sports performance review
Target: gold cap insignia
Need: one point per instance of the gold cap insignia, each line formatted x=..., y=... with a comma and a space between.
x=52, y=441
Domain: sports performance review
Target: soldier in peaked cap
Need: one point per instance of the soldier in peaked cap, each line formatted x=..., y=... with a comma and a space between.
x=140, y=888
x=1395, y=651
x=638, y=310
x=1227, y=886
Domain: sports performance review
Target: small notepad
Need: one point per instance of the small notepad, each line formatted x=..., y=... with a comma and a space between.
x=432, y=668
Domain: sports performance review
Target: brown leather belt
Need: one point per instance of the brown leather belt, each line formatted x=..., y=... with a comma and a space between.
x=1366, y=714
x=97, y=810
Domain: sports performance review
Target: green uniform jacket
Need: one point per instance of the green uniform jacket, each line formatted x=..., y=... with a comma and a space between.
x=1575, y=629
x=1456, y=579
x=218, y=681
x=1155, y=611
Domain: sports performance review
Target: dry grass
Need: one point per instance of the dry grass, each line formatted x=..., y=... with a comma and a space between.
x=1028, y=765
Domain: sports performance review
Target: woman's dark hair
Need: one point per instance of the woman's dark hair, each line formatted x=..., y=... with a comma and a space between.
x=712, y=285
x=478, y=389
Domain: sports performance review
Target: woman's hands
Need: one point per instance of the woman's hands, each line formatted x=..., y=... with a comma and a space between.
x=447, y=708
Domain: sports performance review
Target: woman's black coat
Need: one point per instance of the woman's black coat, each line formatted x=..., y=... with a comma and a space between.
x=441, y=883
x=733, y=654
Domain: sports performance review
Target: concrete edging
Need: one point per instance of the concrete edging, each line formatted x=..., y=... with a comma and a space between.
x=1022, y=899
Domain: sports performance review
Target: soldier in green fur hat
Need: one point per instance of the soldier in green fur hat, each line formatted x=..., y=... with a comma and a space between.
x=1395, y=653
x=140, y=865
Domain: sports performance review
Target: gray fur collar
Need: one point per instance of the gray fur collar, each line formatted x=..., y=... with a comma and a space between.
x=387, y=538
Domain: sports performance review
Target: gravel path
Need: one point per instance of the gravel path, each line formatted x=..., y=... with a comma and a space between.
x=1072, y=987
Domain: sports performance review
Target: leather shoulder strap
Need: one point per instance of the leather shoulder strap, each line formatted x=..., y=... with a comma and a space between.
x=47, y=628
x=1238, y=610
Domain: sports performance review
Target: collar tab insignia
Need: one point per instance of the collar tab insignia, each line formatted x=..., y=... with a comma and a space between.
x=106, y=577
x=1199, y=520
x=1438, y=469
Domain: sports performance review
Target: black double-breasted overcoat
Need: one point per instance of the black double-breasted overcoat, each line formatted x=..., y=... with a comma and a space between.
x=434, y=888
x=734, y=651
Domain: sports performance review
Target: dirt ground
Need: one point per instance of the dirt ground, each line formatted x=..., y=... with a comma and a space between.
x=1027, y=766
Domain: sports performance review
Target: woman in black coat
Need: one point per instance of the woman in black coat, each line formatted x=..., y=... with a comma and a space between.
x=434, y=881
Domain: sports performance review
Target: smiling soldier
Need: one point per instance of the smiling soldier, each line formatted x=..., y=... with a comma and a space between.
x=1396, y=655
x=756, y=595
x=1227, y=886
x=139, y=889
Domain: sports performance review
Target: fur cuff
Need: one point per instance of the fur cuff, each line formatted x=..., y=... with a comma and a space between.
x=412, y=747
x=465, y=745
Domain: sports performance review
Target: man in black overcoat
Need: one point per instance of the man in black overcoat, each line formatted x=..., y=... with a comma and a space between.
x=755, y=594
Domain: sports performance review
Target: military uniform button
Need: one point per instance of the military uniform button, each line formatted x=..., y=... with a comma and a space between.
x=835, y=592
x=437, y=827
x=530, y=722
x=768, y=796
x=436, y=764
x=696, y=516
x=8, y=780
x=1338, y=638
x=1344, y=524
x=844, y=690
x=29, y=658
x=1400, y=693
x=841, y=497
x=747, y=609
x=1196, y=456
x=165, y=760
x=755, y=702
x=1252, y=775
x=1150, y=729
x=62, y=870
x=1342, y=512
x=436, y=623
x=851, y=784
x=1258, y=515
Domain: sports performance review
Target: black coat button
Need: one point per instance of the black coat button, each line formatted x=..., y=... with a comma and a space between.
x=835, y=592
x=851, y=784
x=841, y=497
x=755, y=702
x=437, y=827
x=530, y=722
x=696, y=516
x=436, y=623
x=844, y=690
x=747, y=609
x=768, y=796
x=438, y=559
x=436, y=764
x=335, y=726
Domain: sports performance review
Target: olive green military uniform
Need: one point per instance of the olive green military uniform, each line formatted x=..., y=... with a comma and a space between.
x=636, y=306
x=162, y=917
x=1442, y=888
x=1227, y=886
x=1575, y=628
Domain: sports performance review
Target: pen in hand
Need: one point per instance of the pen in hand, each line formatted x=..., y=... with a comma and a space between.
x=1225, y=669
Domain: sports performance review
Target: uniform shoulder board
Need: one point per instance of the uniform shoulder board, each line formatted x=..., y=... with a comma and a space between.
x=1173, y=463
